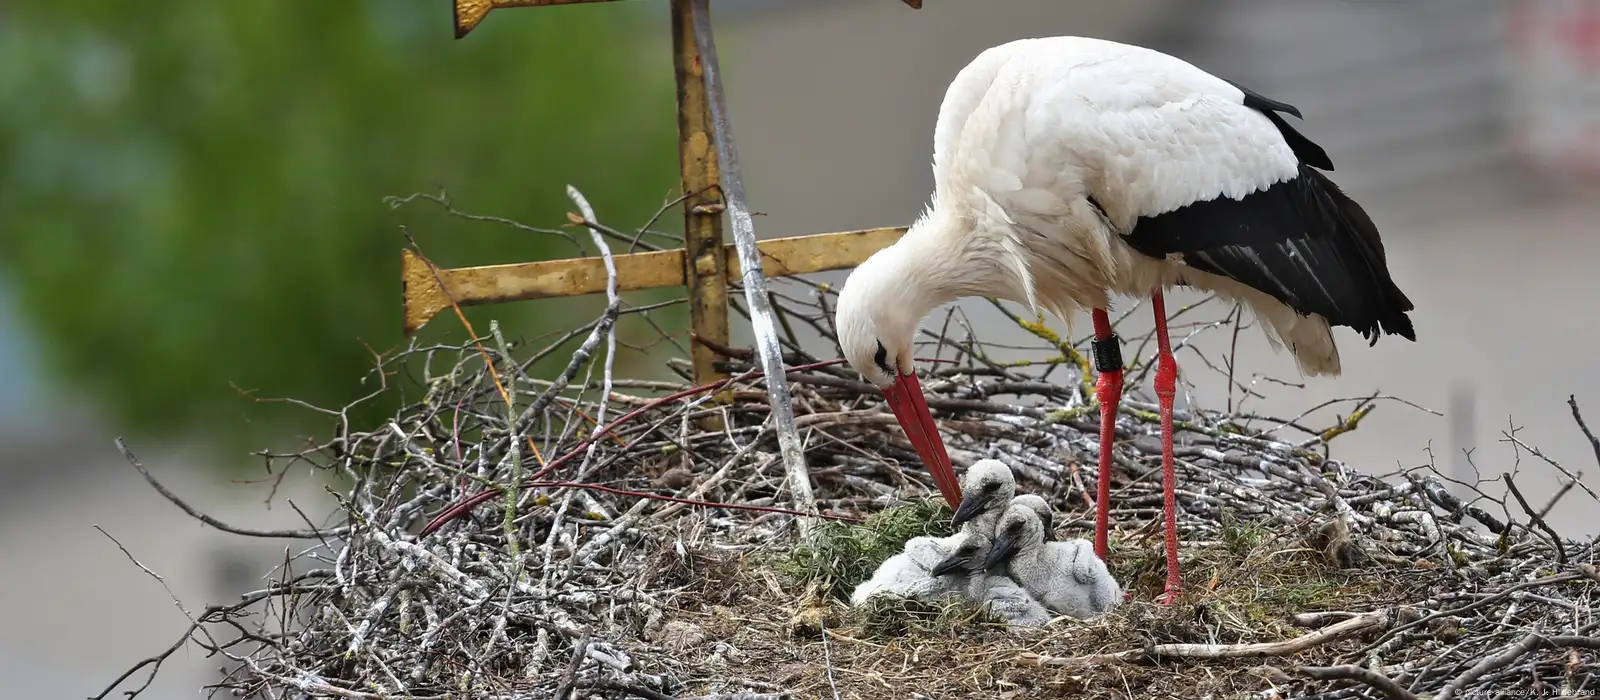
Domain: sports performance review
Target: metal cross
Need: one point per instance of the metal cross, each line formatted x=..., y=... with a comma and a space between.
x=703, y=265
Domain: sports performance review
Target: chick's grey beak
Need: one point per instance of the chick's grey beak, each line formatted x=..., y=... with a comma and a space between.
x=970, y=507
x=959, y=562
x=1000, y=552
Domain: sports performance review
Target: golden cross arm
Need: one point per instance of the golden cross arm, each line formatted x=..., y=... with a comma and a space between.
x=468, y=13
x=487, y=284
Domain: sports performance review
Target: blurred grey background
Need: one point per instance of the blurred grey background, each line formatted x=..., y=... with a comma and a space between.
x=1466, y=146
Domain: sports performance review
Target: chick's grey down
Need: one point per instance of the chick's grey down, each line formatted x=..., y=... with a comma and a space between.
x=1066, y=577
x=993, y=589
x=989, y=486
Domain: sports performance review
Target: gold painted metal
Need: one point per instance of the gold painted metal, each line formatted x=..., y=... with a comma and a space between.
x=698, y=267
x=470, y=12
x=704, y=271
x=490, y=284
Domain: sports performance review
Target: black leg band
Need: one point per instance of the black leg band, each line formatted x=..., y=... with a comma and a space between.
x=1107, y=354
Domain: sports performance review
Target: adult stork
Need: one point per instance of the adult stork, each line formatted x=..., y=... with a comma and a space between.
x=1067, y=169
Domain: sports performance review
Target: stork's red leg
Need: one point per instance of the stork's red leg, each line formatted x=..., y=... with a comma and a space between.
x=1108, y=390
x=1166, y=391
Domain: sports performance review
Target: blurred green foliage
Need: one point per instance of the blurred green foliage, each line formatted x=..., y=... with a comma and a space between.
x=191, y=193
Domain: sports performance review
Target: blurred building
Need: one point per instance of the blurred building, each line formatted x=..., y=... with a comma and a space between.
x=833, y=104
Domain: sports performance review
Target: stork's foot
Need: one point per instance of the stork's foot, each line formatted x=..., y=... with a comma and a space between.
x=1174, y=588
x=1171, y=595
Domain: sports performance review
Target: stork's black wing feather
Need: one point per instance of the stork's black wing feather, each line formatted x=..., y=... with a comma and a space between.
x=1302, y=241
x=1305, y=149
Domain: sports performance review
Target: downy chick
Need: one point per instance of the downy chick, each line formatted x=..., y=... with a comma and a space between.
x=987, y=489
x=1007, y=600
x=968, y=555
x=1065, y=576
x=988, y=486
x=994, y=589
x=906, y=574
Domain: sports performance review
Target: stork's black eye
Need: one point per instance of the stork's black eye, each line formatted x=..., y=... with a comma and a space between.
x=991, y=487
x=881, y=358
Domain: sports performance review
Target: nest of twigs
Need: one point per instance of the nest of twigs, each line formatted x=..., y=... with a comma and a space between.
x=656, y=558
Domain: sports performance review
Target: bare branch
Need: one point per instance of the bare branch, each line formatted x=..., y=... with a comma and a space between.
x=1555, y=540
x=218, y=524
x=1382, y=683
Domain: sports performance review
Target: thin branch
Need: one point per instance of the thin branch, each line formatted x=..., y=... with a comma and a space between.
x=218, y=524
x=1555, y=540
x=1341, y=630
x=1382, y=683
x=1594, y=442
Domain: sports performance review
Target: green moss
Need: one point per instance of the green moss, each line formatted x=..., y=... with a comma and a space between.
x=1066, y=414
x=1240, y=538
x=838, y=555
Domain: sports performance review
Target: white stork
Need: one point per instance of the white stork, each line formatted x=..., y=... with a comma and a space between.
x=1067, y=169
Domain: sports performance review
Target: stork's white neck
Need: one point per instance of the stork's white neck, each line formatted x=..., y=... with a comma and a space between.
x=939, y=260
x=923, y=270
x=944, y=257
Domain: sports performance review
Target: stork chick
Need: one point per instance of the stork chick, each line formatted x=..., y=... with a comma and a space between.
x=1066, y=577
x=916, y=572
x=907, y=574
x=994, y=590
x=967, y=556
x=1007, y=600
x=989, y=487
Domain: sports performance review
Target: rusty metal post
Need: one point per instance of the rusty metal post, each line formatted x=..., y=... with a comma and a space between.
x=705, y=266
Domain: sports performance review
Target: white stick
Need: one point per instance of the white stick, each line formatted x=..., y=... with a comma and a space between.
x=613, y=303
x=755, y=281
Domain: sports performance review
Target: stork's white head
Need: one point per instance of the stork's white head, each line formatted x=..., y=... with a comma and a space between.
x=941, y=259
x=877, y=318
x=880, y=306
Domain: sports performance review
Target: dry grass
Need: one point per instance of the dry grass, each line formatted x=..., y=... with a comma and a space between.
x=1244, y=588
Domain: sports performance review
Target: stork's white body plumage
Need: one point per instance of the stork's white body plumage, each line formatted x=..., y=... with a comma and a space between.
x=1033, y=134
x=1068, y=170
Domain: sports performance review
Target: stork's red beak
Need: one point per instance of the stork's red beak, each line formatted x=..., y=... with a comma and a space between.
x=911, y=409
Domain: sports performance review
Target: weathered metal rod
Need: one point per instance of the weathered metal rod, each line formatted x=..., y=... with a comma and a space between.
x=489, y=284
x=705, y=271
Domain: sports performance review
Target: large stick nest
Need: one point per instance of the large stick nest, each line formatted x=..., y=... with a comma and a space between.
x=618, y=575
